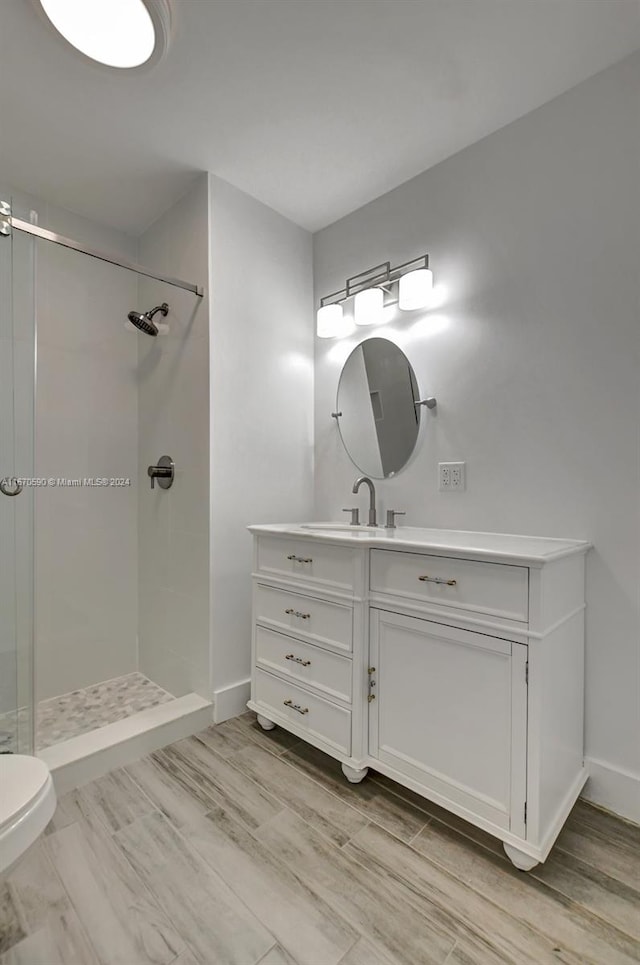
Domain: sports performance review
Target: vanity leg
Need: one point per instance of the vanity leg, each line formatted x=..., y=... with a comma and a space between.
x=265, y=723
x=353, y=775
x=522, y=861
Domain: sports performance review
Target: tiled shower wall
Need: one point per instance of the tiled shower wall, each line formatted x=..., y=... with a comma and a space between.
x=173, y=524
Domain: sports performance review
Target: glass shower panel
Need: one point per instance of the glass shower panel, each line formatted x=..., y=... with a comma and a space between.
x=87, y=444
x=17, y=384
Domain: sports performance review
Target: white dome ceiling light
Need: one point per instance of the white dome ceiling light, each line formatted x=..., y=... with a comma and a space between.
x=119, y=33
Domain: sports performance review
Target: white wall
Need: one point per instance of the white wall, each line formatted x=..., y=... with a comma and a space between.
x=534, y=360
x=173, y=381
x=261, y=409
x=86, y=426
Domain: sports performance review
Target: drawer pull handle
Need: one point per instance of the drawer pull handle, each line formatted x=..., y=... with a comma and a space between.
x=296, y=613
x=301, y=710
x=291, y=656
x=437, y=579
x=299, y=559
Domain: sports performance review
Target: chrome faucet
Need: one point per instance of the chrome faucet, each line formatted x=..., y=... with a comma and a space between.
x=373, y=520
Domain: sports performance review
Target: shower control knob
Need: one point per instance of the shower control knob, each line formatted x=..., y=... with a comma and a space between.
x=164, y=472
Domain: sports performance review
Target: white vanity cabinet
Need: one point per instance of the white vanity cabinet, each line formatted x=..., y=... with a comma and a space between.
x=451, y=662
x=308, y=615
x=450, y=713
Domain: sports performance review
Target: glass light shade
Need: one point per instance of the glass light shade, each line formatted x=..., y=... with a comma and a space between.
x=368, y=307
x=329, y=321
x=414, y=289
x=119, y=33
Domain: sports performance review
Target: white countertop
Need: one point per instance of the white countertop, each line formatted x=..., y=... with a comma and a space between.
x=449, y=542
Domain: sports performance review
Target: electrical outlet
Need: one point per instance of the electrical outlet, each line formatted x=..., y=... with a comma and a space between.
x=458, y=476
x=451, y=477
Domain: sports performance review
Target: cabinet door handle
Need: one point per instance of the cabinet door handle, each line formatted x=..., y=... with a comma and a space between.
x=437, y=579
x=301, y=710
x=291, y=656
x=297, y=613
x=299, y=559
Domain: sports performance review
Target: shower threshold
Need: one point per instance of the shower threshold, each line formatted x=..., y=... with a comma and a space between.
x=88, y=732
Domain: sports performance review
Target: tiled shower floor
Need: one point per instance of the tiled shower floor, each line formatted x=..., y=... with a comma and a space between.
x=61, y=718
x=80, y=711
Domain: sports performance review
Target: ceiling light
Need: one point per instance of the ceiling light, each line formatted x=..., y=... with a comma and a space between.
x=118, y=33
x=368, y=307
x=329, y=321
x=414, y=289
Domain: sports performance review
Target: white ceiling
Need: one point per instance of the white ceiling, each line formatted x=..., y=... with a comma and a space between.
x=313, y=106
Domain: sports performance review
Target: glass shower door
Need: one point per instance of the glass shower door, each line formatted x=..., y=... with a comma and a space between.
x=17, y=389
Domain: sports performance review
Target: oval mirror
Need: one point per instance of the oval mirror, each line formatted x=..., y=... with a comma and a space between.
x=378, y=416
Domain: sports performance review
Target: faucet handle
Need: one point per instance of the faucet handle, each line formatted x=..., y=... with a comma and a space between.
x=164, y=472
x=391, y=518
x=355, y=515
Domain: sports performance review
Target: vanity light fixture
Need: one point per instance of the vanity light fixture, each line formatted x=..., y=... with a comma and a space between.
x=368, y=307
x=372, y=290
x=117, y=33
x=414, y=289
x=330, y=321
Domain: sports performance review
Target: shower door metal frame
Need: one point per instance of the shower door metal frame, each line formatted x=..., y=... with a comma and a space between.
x=25, y=724
x=8, y=222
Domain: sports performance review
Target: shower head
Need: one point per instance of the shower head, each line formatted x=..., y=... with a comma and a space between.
x=144, y=322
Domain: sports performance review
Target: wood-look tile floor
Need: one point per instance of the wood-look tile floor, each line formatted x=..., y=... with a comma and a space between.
x=242, y=847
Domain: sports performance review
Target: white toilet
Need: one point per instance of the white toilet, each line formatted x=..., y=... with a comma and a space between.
x=27, y=803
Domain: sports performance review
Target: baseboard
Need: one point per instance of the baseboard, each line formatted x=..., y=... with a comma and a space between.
x=613, y=788
x=231, y=701
x=89, y=756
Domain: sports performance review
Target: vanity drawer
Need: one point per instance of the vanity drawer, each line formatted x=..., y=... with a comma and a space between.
x=319, y=717
x=492, y=588
x=318, y=621
x=331, y=567
x=320, y=669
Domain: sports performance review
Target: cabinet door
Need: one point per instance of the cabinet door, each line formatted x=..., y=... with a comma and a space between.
x=450, y=714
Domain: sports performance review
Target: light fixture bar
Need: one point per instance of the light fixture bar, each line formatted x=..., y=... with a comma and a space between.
x=334, y=298
x=371, y=278
x=378, y=276
x=422, y=261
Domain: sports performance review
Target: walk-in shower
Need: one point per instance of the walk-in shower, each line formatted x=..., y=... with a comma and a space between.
x=144, y=321
x=92, y=655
